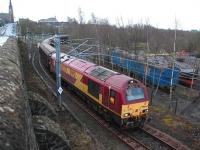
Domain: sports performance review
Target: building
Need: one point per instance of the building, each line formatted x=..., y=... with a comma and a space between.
x=48, y=20
x=7, y=17
x=52, y=22
x=11, y=15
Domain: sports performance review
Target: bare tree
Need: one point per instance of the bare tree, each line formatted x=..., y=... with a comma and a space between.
x=80, y=16
x=93, y=18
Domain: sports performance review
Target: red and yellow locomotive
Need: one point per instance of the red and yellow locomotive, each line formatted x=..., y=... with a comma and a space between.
x=118, y=97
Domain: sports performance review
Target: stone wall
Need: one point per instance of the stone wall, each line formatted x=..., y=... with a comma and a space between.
x=16, y=130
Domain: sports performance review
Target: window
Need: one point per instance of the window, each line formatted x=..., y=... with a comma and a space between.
x=93, y=89
x=112, y=93
x=134, y=94
x=113, y=96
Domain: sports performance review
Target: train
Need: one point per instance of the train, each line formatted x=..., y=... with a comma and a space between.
x=156, y=72
x=118, y=98
x=188, y=73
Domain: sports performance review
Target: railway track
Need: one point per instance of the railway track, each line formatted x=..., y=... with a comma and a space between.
x=125, y=137
x=163, y=137
x=128, y=140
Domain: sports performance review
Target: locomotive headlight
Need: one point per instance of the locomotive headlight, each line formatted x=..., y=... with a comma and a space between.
x=126, y=114
x=145, y=110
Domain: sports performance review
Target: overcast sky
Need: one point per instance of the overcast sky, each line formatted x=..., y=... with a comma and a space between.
x=159, y=13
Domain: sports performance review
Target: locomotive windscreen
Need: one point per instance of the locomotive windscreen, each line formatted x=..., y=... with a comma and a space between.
x=134, y=93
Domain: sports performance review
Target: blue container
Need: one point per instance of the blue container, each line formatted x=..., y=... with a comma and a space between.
x=157, y=76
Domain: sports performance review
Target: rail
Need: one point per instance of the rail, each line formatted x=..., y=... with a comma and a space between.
x=165, y=138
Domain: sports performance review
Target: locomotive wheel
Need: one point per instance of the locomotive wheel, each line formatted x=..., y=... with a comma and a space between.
x=107, y=116
x=100, y=110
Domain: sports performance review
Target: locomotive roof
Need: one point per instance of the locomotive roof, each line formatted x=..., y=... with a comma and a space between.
x=63, y=57
x=108, y=76
x=118, y=80
x=102, y=73
x=48, y=49
x=81, y=65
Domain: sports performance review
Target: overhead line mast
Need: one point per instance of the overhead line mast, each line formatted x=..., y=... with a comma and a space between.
x=58, y=72
x=173, y=66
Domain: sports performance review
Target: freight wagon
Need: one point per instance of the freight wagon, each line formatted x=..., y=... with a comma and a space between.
x=155, y=73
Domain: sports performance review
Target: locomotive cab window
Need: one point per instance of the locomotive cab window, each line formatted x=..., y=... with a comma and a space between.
x=93, y=88
x=134, y=93
x=113, y=96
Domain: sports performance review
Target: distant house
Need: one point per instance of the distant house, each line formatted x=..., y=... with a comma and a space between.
x=7, y=17
x=52, y=22
x=48, y=20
